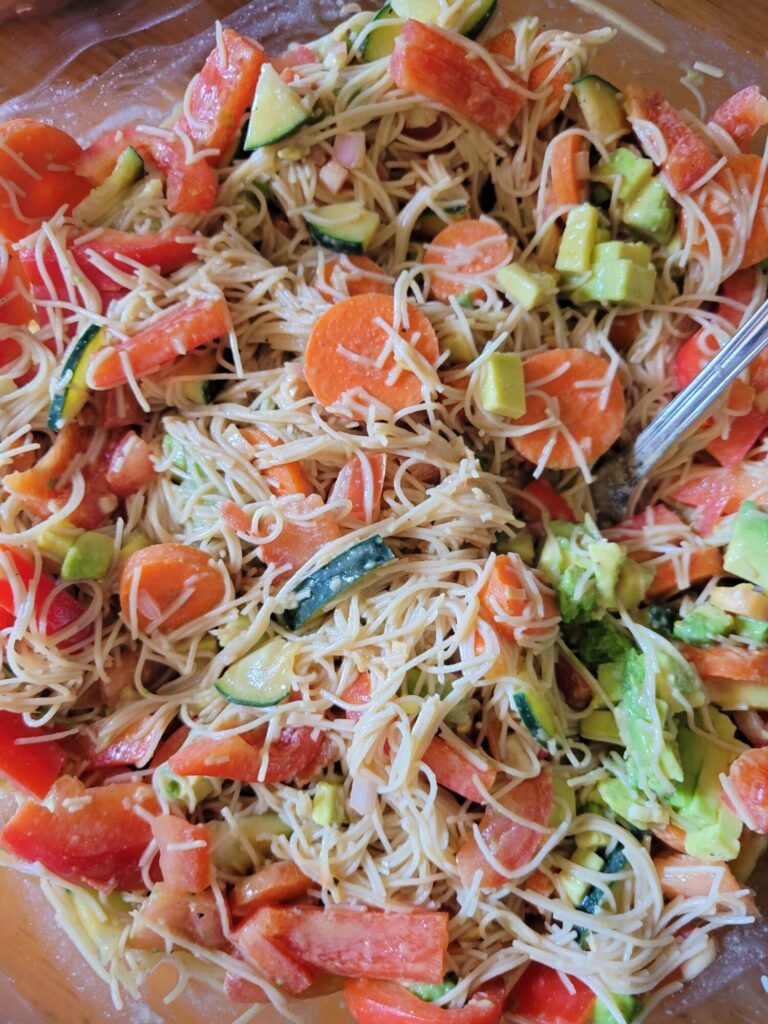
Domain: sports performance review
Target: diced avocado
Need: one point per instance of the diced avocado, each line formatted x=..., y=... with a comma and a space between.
x=731, y=696
x=600, y=105
x=429, y=993
x=521, y=544
x=629, y=1007
x=328, y=804
x=57, y=540
x=632, y=586
x=609, y=252
x=747, y=552
x=502, y=385
x=564, y=795
x=599, y=642
x=600, y=725
x=635, y=172
x=659, y=619
x=609, y=677
x=641, y=717
x=342, y=227
x=89, y=558
x=608, y=559
x=133, y=542
x=276, y=110
x=529, y=287
x=574, y=255
x=622, y=282
x=752, y=629
x=263, y=677
x=69, y=390
x=627, y=803
x=651, y=213
x=189, y=790
x=703, y=624
x=458, y=346
x=677, y=682
x=104, y=931
x=97, y=206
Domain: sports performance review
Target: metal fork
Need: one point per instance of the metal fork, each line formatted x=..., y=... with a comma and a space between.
x=617, y=480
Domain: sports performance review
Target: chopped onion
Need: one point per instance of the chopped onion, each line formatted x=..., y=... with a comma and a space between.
x=333, y=176
x=349, y=149
x=365, y=789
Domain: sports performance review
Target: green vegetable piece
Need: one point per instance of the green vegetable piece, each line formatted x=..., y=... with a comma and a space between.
x=502, y=385
x=622, y=282
x=630, y=1007
x=703, y=624
x=600, y=725
x=632, y=585
x=635, y=172
x=328, y=804
x=69, y=390
x=599, y=194
x=564, y=795
x=89, y=558
x=747, y=552
x=609, y=676
x=380, y=40
x=651, y=213
x=133, y=542
x=598, y=642
x=429, y=993
x=189, y=790
x=659, y=619
x=627, y=803
x=342, y=227
x=57, y=540
x=536, y=713
x=276, y=111
x=429, y=223
x=600, y=105
x=529, y=287
x=230, y=847
x=459, y=348
x=101, y=202
x=262, y=678
x=575, y=887
x=635, y=252
x=752, y=629
x=575, y=253
x=641, y=718
x=521, y=544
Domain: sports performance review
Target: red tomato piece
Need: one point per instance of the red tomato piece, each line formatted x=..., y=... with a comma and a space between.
x=446, y=68
x=542, y=997
x=374, y=944
x=169, y=746
x=293, y=58
x=456, y=771
x=120, y=409
x=185, y=853
x=277, y=882
x=271, y=959
x=540, y=497
x=15, y=309
x=241, y=990
x=748, y=778
x=134, y=746
x=33, y=767
x=716, y=493
x=511, y=844
x=361, y=481
x=97, y=161
x=90, y=837
x=634, y=526
x=235, y=517
x=743, y=434
x=195, y=917
x=688, y=158
x=130, y=467
x=742, y=115
x=53, y=615
x=386, y=1002
x=239, y=757
x=179, y=330
x=222, y=91
x=358, y=692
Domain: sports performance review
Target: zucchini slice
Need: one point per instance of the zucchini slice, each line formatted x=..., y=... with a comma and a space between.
x=97, y=206
x=536, y=714
x=276, y=112
x=202, y=364
x=342, y=227
x=69, y=392
x=599, y=102
x=324, y=585
x=262, y=678
x=429, y=223
x=380, y=41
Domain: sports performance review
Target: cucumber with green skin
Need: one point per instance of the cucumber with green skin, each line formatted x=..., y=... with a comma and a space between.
x=262, y=678
x=277, y=111
x=69, y=392
x=600, y=105
x=97, y=206
x=380, y=41
x=342, y=227
x=536, y=714
x=322, y=587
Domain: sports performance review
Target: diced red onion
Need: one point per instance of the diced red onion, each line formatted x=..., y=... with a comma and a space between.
x=349, y=149
x=333, y=176
x=365, y=789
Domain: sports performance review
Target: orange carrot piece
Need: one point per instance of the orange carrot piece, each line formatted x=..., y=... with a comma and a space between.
x=353, y=275
x=286, y=477
x=468, y=249
x=154, y=578
x=361, y=476
x=508, y=594
x=568, y=183
x=728, y=663
x=545, y=76
x=703, y=564
x=300, y=538
x=738, y=181
x=277, y=882
x=346, y=342
x=567, y=384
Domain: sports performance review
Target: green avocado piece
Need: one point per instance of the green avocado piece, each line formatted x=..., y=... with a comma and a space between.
x=747, y=552
x=600, y=642
x=502, y=385
x=655, y=766
x=628, y=1006
x=634, y=580
x=600, y=725
x=575, y=253
x=753, y=629
x=620, y=281
x=703, y=624
x=429, y=993
x=328, y=804
x=609, y=252
x=651, y=213
x=635, y=172
x=529, y=287
x=609, y=677
x=89, y=558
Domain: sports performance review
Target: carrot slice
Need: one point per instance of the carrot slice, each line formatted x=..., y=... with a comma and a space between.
x=361, y=481
x=345, y=344
x=277, y=882
x=301, y=537
x=729, y=204
x=37, y=175
x=178, y=331
x=703, y=564
x=568, y=182
x=353, y=275
x=286, y=477
x=728, y=663
x=577, y=389
x=515, y=603
x=468, y=249
x=154, y=580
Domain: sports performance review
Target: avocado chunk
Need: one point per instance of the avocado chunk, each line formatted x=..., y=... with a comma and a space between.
x=529, y=287
x=630, y=805
x=89, y=558
x=609, y=678
x=609, y=252
x=429, y=993
x=328, y=804
x=747, y=552
x=521, y=544
x=651, y=213
x=753, y=629
x=57, y=540
x=622, y=282
x=458, y=346
x=575, y=253
x=598, y=643
x=635, y=172
x=628, y=1006
x=502, y=385
x=702, y=625
x=600, y=725
x=600, y=105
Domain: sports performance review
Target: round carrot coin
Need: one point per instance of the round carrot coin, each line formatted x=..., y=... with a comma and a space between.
x=158, y=577
x=468, y=249
x=345, y=348
x=357, y=275
x=575, y=389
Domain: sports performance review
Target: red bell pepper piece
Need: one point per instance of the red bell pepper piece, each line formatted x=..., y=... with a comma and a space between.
x=239, y=757
x=386, y=1002
x=32, y=766
x=742, y=116
x=52, y=616
x=542, y=998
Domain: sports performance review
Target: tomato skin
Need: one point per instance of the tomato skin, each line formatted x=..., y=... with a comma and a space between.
x=14, y=307
x=98, y=843
x=540, y=494
x=271, y=958
x=715, y=494
x=34, y=767
x=455, y=771
x=52, y=616
x=130, y=467
x=512, y=844
x=134, y=746
x=542, y=998
x=277, y=882
x=350, y=943
x=120, y=409
x=688, y=158
x=183, y=870
x=239, y=757
x=194, y=916
x=742, y=115
x=358, y=692
x=386, y=1002
x=748, y=778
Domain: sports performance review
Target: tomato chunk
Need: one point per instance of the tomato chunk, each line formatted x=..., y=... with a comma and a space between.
x=53, y=614
x=195, y=917
x=716, y=493
x=90, y=837
x=240, y=757
x=542, y=997
x=185, y=853
x=277, y=882
x=742, y=115
x=688, y=158
x=271, y=959
x=130, y=467
x=15, y=309
x=540, y=498
x=32, y=766
x=386, y=1002
x=134, y=746
x=456, y=771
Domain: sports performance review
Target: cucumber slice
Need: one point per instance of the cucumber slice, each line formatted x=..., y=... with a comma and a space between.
x=262, y=678
x=342, y=227
x=600, y=105
x=429, y=223
x=201, y=392
x=380, y=41
x=69, y=392
x=276, y=112
x=97, y=206
x=536, y=714
x=332, y=580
